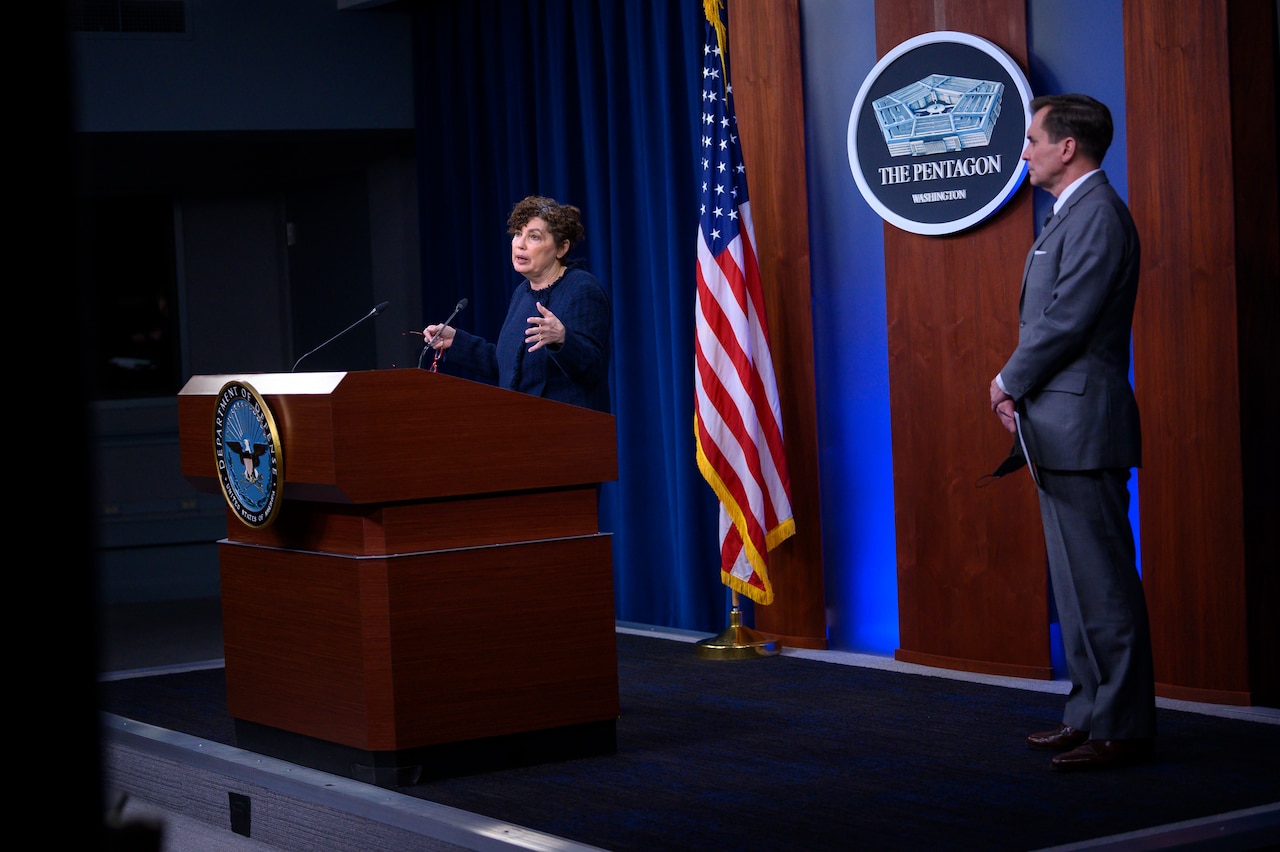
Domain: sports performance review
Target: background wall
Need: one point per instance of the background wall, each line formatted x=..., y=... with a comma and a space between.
x=256, y=172
x=244, y=65
x=1073, y=47
x=280, y=141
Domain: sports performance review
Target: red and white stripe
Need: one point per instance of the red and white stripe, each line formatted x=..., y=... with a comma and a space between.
x=737, y=418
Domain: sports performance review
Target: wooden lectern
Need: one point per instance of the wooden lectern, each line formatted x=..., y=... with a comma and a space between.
x=434, y=595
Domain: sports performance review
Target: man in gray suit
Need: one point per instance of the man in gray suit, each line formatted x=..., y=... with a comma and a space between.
x=1065, y=390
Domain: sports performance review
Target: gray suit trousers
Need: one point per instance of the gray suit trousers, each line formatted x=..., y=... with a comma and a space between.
x=1093, y=569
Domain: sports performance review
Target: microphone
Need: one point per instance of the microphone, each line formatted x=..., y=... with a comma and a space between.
x=373, y=313
x=457, y=309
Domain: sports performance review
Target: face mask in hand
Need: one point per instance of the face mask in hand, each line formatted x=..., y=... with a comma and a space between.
x=1012, y=462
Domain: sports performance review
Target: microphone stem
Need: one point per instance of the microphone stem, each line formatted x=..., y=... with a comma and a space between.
x=371, y=313
x=436, y=336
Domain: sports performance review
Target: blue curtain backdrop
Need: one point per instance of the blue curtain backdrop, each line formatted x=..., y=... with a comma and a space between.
x=595, y=104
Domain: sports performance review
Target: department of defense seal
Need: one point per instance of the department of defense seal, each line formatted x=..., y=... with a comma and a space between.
x=249, y=461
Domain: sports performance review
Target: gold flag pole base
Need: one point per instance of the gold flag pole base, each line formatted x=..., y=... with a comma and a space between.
x=738, y=642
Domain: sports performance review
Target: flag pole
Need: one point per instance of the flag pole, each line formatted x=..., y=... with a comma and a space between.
x=737, y=420
x=738, y=642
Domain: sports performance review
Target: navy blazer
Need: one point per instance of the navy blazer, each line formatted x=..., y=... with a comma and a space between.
x=577, y=372
x=1069, y=374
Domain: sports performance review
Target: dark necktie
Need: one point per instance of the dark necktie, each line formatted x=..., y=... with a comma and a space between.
x=1048, y=217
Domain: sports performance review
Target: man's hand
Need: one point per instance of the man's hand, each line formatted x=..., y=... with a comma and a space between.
x=1002, y=405
x=997, y=394
x=1005, y=412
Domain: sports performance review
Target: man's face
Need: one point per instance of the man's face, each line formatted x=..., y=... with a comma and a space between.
x=1045, y=165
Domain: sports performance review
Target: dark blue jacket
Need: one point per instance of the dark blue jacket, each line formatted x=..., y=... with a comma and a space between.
x=577, y=372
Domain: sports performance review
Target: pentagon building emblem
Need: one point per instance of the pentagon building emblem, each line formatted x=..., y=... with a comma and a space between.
x=938, y=114
x=937, y=131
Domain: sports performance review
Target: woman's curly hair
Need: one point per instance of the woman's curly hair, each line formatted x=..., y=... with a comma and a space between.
x=563, y=220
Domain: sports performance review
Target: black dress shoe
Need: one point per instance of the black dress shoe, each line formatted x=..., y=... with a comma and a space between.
x=1060, y=738
x=1103, y=754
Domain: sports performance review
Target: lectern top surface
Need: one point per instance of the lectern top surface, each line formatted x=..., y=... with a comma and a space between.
x=266, y=383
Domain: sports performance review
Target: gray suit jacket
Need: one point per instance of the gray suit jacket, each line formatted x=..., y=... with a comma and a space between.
x=1070, y=371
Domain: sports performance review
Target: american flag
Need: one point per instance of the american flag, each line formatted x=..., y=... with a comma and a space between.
x=737, y=422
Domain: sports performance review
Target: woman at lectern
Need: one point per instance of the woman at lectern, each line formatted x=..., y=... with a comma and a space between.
x=554, y=342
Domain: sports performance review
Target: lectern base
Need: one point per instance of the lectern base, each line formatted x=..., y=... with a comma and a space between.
x=406, y=767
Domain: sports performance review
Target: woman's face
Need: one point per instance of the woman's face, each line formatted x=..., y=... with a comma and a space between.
x=534, y=251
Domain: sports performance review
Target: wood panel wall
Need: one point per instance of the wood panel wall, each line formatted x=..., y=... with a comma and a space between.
x=765, y=64
x=1201, y=106
x=972, y=576
x=971, y=564
x=1201, y=100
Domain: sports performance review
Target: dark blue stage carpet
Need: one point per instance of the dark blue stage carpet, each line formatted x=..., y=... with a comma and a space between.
x=786, y=753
